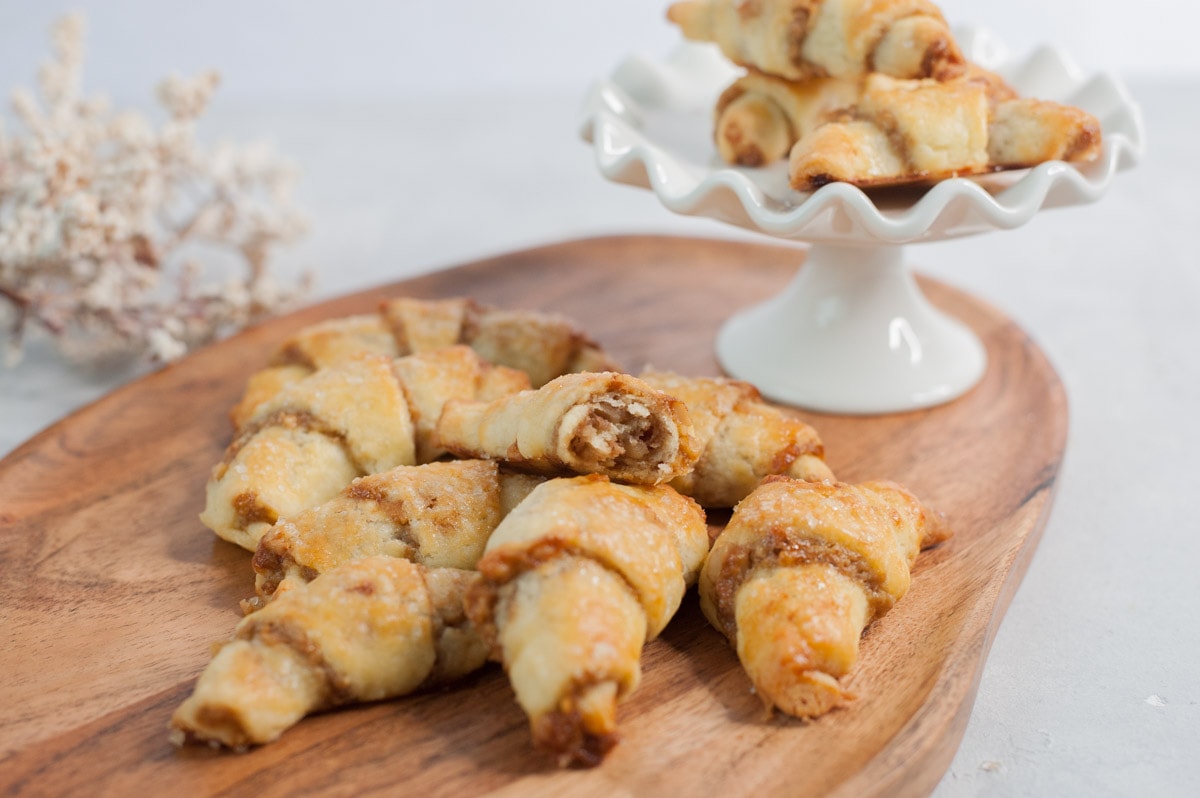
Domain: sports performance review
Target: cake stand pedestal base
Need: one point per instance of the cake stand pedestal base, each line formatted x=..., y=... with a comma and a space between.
x=852, y=333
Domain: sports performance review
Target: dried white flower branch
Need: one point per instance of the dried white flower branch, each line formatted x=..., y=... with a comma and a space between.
x=105, y=220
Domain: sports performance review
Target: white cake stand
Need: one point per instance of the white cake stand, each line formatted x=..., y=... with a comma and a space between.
x=852, y=333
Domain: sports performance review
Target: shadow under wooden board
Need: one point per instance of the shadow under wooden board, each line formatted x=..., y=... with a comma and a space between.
x=113, y=591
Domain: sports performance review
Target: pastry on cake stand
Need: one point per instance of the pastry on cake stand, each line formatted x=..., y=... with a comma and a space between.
x=852, y=333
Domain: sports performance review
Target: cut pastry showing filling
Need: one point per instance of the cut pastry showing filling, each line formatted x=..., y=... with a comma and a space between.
x=439, y=515
x=566, y=605
x=800, y=571
x=606, y=423
x=543, y=345
x=368, y=630
x=884, y=131
x=804, y=39
x=741, y=437
x=611, y=433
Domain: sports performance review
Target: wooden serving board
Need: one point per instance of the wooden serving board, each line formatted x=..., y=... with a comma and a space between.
x=112, y=591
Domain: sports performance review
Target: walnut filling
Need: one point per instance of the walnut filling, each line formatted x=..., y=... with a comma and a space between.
x=618, y=432
x=583, y=729
x=272, y=568
x=269, y=567
x=249, y=509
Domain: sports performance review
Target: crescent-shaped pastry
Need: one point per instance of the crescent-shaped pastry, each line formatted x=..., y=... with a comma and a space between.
x=372, y=629
x=589, y=423
x=543, y=345
x=884, y=131
x=366, y=415
x=574, y=582
x=803, y=39
x=742, y=439
x=798, y=573
x=439, y=515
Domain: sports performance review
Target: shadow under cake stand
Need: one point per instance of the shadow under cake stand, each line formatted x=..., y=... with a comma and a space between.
x=852, y=333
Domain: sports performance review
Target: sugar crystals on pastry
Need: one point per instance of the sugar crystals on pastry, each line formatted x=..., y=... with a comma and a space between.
x=438, y=514
x=308, y=442
x=574, y=582
x=798, y=573
x=742, y=439
x=367, y=630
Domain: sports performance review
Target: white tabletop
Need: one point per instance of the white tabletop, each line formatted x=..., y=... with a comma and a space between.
x=1092, y=686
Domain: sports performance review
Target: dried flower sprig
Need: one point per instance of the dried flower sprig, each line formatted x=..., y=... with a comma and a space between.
x=105, y=221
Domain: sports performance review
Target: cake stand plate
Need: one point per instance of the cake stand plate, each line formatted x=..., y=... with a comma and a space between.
x=852, y=333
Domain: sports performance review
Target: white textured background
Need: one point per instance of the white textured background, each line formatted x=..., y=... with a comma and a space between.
x=369, y=48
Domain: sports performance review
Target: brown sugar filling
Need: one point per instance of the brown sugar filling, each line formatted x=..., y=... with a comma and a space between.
x=618, y=433
x=272, y=568
x=569, y=735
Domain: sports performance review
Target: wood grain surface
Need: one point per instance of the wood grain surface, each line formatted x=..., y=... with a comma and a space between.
x=112, y=591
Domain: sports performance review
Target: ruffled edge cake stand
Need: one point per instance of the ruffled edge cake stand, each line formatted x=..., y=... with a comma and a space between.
x=852, y=333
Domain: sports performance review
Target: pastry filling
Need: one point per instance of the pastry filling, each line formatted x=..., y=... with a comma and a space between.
x=617, y=432
x=582, y=731
x=273, y=567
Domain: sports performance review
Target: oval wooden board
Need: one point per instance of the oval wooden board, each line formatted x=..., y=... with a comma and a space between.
x=113, y=591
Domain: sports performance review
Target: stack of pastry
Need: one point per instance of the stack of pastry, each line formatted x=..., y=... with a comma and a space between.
x=375, y=471
x=414, y=515
x=870, y=92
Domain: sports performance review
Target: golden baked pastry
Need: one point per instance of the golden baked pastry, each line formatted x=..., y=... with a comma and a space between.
x=543, y=345
x=606, y=423
x=574, y=582
x=372, y=629
x=434, y=377
x=801, y=569
x=741, y=439
x=802, y=39
x=760, y=117
x=439, y=515
x=366, y=415
x=885, y=131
